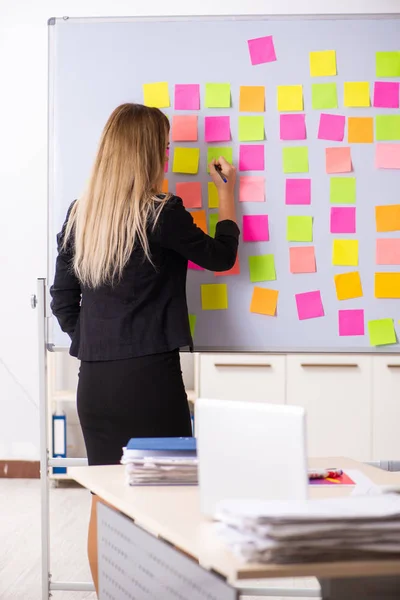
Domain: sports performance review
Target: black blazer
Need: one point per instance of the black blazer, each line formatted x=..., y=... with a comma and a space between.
x=146, y=312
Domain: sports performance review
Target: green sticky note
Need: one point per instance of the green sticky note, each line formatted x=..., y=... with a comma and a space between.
x=299, y=229
x=192, y=324
x=381, y=332
x=251, y=129
x=387, y=127
x=262, y=268
x=324, y=95
x=214, y=152
x=388, y=64
x=343, y=190
x=218, y=95
x=295, y=159
x=212, y=223
x=214, y=296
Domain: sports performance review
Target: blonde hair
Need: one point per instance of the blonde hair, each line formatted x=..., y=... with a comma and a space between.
x=120, y=203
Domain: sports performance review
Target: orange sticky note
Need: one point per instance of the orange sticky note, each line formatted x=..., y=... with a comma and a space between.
x=190, y=192
x=164, y=187
x=184, y=128
x=387, y=217
x=251, y=98
x=348, y=285
x=387, y=285
x=338, y=160
x=360, y=130
x=200, y=218
x=264, y=301
x=234, y=271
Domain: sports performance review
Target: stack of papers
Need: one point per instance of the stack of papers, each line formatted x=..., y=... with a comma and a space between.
x=352, y=528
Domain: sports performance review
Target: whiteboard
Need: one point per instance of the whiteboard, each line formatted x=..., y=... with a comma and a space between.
x=96, y=65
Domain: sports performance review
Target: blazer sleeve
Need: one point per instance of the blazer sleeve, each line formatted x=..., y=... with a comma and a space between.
x=66, y=289
x=177, y=231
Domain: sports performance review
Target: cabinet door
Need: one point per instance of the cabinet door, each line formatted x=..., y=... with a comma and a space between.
x=253, y=377
x=336, y=392
x=386, y=408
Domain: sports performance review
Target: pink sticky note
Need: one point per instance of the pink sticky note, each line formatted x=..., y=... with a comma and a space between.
x=262, y=50
x=298, y=191
x=387, y=156
x=193, y=267
x=217, y=129
x=184, y=128
x=255, y=228
x=293, y=127
x=302, y=259
x=338, y=160
x=388, y=251
x=166, y=162
x=190, y=192
x=343, y=219
x=251, y=189
x=386, y=94
x=351, y=322
x=251, y=157
x=331, y=127
x=309, y=305
x=234, y=271
x=187, y=96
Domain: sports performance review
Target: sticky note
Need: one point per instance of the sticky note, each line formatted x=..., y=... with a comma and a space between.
x=388, y=64
x=190, y=192
x=252, y=98
x=262, y=268
x=343, y=190
x=345, y=253
x=262, y=50
x=186, y=160
x=213, y=200
x=187, y=96
x=193, y=267
x=251, y=129
x=251, y=157
x=388, y=251
x=387, y=156
x=255, y=228
x=218, y=95
x=338, y=160
x=323, y=63
x=343, y=219
x=356, y=93
x=302, y=259
x=192, y=324
x=251, y=188
x=360, y=130
x=299, y=229
x=215, y=152
x=331, y=127
x=298, y=191
x=386, y=94
x=214, y=296
x=387, y=285
x=292, y=127
x=156, y=94
x=234, y=271
x=387, y=217
x=264, y=301
x=351, y=322
x=217, y=129
x=166, y=161
x=381, y=332
x=387, y=128
x=199, y=217
x=213, y=219
x=323, y=96
x=348, y=286
x=295, y=159
x=309, y=305
x=290, y=98
x=164, y=187
x=184, y=128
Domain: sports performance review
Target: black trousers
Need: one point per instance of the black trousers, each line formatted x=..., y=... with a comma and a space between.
x=135, y=397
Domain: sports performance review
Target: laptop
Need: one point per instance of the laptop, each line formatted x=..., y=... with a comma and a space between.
x=250, y=450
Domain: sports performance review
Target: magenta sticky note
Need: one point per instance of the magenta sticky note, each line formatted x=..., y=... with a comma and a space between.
x=262, y=50
x=194, y=267
x=331, y=127
x=255, y=228
x=388, y=251
x=387, y=156
x=298, y=191
x=351, y=322
x=217, y=129
x=187, y=96
x=166, y=161
x=293, y=127
x=251, y=188
x=309, y=305
x=251, y=157
x=343, y=219
x=386, y=94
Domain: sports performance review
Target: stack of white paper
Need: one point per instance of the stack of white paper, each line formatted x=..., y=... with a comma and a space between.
x=160, y=471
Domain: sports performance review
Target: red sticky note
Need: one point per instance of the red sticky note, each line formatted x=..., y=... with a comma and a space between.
x=187, y=96
x=194, y=267
x=251, y=189
x=251, y=157
x=298, y=191
x=309, y=305
x=388, y=251
x=190, y=192
x=343, y=219
x=217, y=129
x=331, y=127
x=262, y=50
x=351, y=322
x=387, y=156
x=302, y=259
x=166, y=161
x=184, y=128
x=386, y=94
x=338, y=160
x=293, y=127
x=234, y=271
x=255, y=228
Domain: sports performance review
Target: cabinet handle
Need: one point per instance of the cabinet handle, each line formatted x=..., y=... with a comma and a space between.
x=331, y=365
x=394, y=366
x=231, y=365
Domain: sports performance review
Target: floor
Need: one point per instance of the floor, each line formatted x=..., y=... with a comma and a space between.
x=20, y=541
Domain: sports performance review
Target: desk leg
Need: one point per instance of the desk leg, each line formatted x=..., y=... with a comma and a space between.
x=363, y=588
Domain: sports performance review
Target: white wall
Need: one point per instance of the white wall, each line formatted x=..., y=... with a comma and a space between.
x=23, y=160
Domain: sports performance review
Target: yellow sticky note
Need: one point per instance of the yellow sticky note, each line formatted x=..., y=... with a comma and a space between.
x=345, y=253
x=213, y=201
x=290, y=98
x=156, y=94
x=186, y=160
x=348, y=285
x=356, y=93
x=214, y=296
x=387, y=285
x=323, y=63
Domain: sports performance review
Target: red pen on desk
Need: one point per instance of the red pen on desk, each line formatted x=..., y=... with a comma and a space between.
x=325, y=473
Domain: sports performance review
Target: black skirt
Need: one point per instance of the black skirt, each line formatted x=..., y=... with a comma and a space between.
x=135, y=397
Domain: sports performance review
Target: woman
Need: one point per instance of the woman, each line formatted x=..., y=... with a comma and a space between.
x=119, y=288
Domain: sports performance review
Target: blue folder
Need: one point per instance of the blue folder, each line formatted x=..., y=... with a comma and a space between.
x=171, y=446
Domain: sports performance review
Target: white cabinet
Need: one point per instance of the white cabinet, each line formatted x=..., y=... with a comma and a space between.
x=336, y=392
x=386, y=408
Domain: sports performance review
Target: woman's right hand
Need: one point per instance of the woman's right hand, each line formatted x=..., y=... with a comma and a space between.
x=228, y=171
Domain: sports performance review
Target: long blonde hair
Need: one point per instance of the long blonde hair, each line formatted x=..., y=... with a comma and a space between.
x=120, y=202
